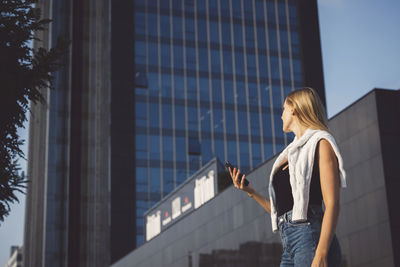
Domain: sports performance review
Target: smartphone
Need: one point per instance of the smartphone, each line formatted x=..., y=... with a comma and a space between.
x=228, y=165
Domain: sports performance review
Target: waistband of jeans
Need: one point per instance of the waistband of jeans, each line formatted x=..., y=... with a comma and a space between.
x=312, y=210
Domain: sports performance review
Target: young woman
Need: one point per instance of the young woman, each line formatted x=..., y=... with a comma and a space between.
x=306, y=173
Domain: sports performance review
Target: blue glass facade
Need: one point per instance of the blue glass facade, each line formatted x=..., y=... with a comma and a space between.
x=211, y=78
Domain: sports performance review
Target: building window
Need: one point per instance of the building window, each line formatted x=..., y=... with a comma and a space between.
x=194, y=146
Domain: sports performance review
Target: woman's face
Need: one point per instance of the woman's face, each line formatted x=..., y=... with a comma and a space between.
x=288, y=118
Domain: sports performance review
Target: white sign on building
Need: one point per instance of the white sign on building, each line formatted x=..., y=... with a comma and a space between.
x=204, y=189
x=176, y=207
x=153, y=225
x=193, y=193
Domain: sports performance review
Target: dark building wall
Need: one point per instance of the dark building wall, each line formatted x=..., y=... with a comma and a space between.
x=77, y=128
x=67, y=211
x=231, y=221
x=364, y=222
x=42, y=220
x=310, y=42
x=123, y=192
x=388, y=103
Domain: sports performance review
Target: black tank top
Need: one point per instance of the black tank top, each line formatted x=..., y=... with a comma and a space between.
x=283, y=190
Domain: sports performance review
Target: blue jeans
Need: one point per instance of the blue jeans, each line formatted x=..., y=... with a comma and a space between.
x=300, y=239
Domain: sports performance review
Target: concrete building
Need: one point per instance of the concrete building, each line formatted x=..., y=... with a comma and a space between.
x=15, y=257
x=68, y=198
x=231, y=229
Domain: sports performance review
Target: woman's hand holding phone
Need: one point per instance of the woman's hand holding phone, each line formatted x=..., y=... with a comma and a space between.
x=239, y=182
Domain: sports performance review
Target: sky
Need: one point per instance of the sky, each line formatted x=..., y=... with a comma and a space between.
x=360, y=51
x=12, y=229
x=360, y=48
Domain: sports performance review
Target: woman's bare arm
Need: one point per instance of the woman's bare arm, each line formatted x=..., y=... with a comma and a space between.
x=330, y=187
x=263, y=201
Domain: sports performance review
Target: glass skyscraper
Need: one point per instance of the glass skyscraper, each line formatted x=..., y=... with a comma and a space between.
x=210, y=81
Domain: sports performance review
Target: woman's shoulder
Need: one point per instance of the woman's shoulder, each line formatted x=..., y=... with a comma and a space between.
x=325, y=141
x=317, y=137
x=323, y=134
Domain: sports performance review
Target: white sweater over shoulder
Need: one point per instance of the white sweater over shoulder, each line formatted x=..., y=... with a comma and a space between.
x=300, y=156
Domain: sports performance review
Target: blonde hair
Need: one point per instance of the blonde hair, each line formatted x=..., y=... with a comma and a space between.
x=309, y=108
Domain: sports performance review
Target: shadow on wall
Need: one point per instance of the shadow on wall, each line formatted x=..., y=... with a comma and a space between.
x=249, y=254
x=255, y=254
